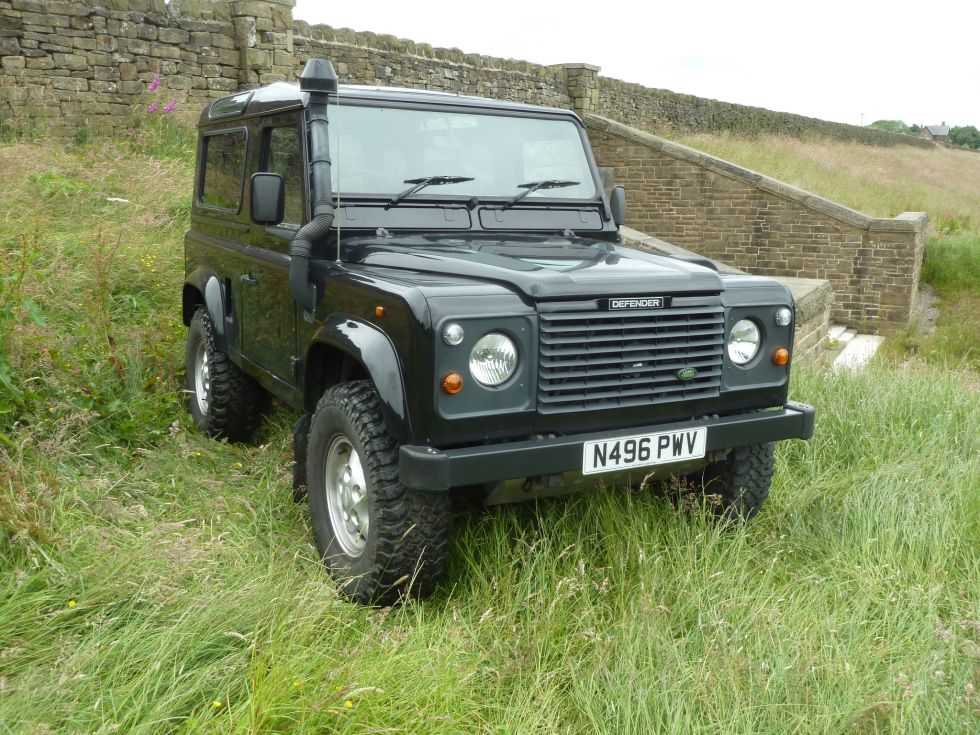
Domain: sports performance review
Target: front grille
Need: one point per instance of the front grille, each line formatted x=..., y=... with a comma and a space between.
x=595, y=360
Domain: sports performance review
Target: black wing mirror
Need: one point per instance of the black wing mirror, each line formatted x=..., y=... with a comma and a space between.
x=617, y=202
x=268, y=199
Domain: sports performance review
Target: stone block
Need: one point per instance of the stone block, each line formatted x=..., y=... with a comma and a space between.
x=80, y=24
x=222, y=85
x=73, y=62
x=103, y=87
x=13, y=62
x=107, y=43
x=256, y=59
x=251, y=8
x=165, y=52
x=173, y=35
x=127, y=72
x=40, y=62
x=70, y=84
x=45, y=20
x=9, y=47
x=136, y=87
x=105, y=73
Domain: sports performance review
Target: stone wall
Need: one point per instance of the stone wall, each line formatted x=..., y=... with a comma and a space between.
x=764, y=226
x=70, y=64
x=64, y=65
x=636, y=105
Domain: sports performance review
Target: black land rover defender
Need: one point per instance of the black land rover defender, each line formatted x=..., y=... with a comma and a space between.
x=435, y=282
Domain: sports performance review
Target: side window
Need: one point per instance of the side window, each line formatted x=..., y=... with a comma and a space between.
x=284, y=156
x=224, y=170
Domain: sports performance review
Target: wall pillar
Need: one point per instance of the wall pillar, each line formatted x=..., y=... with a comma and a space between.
x=264, y=36
x=582, y=81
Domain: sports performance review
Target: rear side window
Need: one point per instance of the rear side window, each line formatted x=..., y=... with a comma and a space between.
x=284, y=156
x=224, y=170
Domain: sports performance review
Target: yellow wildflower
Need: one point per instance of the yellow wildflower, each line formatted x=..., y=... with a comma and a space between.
x=349, y=704
x=216, y=704
x=72, y=603
x=239, y=465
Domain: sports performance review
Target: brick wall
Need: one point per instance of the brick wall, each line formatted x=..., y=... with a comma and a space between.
x=763, y=226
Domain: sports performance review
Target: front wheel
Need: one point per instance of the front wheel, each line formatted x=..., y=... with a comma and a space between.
x=737, y=487
x=379, y=539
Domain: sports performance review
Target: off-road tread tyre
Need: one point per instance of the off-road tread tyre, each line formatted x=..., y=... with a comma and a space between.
x=408, y=536
x=739, y=484
x=236, y=402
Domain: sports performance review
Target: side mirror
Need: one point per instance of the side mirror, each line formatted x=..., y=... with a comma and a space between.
x=268, y=201
x=617, y=202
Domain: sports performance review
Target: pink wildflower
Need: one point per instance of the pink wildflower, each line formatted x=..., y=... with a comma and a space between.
x=155, y=83
x=170, y=106
x=153, y=107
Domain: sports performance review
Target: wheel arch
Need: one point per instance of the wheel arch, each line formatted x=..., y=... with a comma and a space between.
x=204, y=288
x=341, y=351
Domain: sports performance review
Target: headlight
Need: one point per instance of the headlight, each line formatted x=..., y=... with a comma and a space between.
x=493, y=359
x=744, y=341
x=783, y=316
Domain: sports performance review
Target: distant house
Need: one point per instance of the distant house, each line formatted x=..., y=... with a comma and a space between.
x=936, y=133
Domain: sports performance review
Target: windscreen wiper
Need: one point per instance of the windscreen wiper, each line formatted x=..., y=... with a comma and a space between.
x=533, y=186
x=425, y=181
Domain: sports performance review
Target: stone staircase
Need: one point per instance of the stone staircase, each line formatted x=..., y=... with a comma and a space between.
x=849, y=350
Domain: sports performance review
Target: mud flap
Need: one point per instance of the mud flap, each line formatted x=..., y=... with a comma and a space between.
x=301, y=438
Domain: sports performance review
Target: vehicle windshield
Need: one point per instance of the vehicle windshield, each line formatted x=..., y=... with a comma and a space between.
x=375, y=150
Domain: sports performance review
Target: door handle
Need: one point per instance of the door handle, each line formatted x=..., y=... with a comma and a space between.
x=248, y=279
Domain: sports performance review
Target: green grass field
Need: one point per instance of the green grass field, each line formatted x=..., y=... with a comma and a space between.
x=154, y=581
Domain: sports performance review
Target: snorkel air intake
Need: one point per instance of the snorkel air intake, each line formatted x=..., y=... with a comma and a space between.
x=318, y=79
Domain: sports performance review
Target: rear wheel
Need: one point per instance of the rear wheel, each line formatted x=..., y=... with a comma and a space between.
x=224, y=402
x=737, y=487
x=379, y=539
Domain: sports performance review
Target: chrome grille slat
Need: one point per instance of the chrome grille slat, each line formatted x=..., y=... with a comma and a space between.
x=601, y=359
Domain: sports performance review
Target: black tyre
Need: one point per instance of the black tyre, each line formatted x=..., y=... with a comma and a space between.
x=379, y=539
x=737, y=487
x=224, y=401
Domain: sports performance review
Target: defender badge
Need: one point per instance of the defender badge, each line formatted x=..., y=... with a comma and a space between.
x=687, y=373
x=643, y=302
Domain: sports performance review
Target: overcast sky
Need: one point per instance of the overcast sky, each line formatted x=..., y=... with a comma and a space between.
x=918, y=62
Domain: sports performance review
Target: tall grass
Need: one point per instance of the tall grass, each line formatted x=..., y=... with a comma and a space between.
x=153, y=581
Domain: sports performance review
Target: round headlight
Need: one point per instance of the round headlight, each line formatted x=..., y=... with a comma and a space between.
x=783, y=316
x=493, y=359
x=743, y=341
x=452, y=334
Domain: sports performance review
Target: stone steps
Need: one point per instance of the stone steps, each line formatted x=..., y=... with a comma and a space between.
x=853, y=351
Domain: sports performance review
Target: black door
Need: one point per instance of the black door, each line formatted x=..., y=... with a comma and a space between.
x=269, y=310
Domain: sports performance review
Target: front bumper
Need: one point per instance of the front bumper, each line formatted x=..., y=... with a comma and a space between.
x=426, y=468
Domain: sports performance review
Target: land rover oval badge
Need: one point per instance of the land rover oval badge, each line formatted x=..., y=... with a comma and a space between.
x=687, y=373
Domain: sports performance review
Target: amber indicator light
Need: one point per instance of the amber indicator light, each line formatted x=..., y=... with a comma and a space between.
x=780, y=356
x=452, y=383
x=379, y=311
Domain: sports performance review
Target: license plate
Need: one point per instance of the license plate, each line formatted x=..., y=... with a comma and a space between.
x=643, y=450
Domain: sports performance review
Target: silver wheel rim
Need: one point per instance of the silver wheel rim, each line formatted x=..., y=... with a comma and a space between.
x=202, y=378
x=346, y=493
